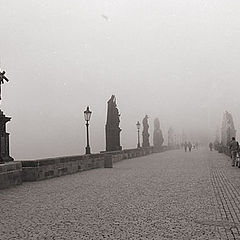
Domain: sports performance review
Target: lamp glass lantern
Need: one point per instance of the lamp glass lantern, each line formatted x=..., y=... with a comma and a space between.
x=87, y=114
x=138, y=125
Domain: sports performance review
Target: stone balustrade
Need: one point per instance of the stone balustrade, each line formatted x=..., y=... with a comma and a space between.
x=223, y=149
x=10, y=174
x=34, y=170
x=129, y=153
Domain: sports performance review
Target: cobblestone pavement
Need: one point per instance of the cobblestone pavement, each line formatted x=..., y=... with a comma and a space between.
x=170, y=195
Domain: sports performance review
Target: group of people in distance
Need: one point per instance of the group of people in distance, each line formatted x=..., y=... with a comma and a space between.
x=189, y=146
x=233, y=147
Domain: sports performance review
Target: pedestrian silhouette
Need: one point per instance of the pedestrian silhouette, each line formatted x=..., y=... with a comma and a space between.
x=210, y=146
x=234, y=148
x=185, y=146
x=189, y=146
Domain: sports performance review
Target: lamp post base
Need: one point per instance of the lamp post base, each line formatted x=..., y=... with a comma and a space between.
x=138, y=146
x=88, y=151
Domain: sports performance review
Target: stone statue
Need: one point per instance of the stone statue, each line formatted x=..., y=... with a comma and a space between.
x=228, y=130
x=112, y=126
x=157, y=134
x=2, y=78
x=4, y=136
x=145, y=133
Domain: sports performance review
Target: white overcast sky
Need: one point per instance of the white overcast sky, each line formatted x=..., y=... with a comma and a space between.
x=178, y=60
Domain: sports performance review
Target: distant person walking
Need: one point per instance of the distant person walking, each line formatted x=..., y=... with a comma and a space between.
x=210, y=146
x=234, y=148
x=185, y=146
x=189, y=146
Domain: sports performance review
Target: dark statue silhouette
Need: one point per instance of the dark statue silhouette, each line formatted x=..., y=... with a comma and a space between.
x=145, y=133
x=2, y=78
x=4, y=136
x=112, y=126
x=228, y=129
x=157, y=134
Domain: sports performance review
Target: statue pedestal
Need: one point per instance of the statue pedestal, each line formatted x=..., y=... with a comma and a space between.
x=113, y=139
x=4, y=139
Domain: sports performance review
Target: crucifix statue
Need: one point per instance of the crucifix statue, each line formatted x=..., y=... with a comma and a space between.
x=2, y=78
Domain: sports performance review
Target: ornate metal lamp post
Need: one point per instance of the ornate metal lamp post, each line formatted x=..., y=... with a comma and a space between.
x=87, y=116
x=138, y=129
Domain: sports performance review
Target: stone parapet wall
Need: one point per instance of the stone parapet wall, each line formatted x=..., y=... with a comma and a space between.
x=136, y=152
x=10, y=174
x=129, y=153
x=14, y=173
x=223, y=149
x=36, y=170
x=227, y=151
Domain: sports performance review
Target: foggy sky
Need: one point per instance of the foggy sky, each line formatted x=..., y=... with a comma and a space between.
x=172, y=59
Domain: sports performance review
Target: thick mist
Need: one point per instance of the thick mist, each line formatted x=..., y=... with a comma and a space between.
x=175, y=60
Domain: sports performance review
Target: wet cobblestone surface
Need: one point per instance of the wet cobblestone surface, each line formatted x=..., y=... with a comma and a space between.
x=170, y=195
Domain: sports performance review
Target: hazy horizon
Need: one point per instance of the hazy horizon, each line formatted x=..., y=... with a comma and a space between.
x=175, y=60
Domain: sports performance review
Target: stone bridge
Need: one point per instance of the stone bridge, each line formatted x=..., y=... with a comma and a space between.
x=168, y=195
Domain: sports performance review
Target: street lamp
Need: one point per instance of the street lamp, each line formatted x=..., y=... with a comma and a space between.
x=138, y=128
x=87, y=116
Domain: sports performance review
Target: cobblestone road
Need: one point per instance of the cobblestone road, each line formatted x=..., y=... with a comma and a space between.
x=171, y=195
